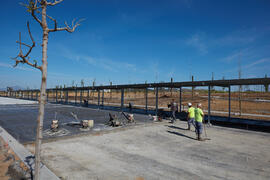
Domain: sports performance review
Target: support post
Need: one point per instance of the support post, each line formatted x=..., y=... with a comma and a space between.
x=80, y=97
x=180, y=99
x=122, y=99
x=209, y=104
x=98, y=99
x=56, y=97
x=102, y=100
x=76, y=95
x=156, y=101
x=88, y=92
x=67, y=96
x=146, y=100
x=229, y=103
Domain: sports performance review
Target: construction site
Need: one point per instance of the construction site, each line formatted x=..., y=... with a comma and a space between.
x=125, y=131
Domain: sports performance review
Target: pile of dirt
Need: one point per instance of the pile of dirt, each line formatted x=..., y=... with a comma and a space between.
x=11, y=167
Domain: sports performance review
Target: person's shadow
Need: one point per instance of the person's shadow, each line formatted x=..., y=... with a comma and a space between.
x=180, y=134
x=175, y=127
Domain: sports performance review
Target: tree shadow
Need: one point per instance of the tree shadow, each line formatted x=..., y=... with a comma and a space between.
x=180, y=134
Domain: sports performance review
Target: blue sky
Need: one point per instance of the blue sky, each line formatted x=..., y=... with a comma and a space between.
x=133, y=41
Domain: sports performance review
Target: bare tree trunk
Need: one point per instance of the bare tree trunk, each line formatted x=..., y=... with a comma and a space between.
x=42, y=99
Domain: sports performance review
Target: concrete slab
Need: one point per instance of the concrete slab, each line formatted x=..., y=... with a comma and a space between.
x=20, y=120
x=5, y=101
x=161, y=151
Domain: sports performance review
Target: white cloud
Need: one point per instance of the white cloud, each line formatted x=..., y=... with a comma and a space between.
x=104, y=63
x=197, y=42
x=255, y=63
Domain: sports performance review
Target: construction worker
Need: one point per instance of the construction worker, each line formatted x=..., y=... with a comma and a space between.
x=191, y=116
x=174, y=108
x=198, y=121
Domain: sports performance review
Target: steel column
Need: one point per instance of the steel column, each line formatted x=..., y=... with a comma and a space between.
x=156, y=101
x=81, y=97
x=102, y=100
x=98, y=98
x=88, y=91
x=180, y=99
x=209, y=104
x=76, y=95
x=122, y=99
x=229, y=103
x=56, y=95
x=146, y=100
x=66, y=96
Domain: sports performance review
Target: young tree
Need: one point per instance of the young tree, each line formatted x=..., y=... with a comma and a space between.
x=38, y=10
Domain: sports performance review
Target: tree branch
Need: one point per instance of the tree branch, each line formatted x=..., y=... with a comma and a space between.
x=67, y=27
x=54, y=3
x=35, y=17
x=24, y=58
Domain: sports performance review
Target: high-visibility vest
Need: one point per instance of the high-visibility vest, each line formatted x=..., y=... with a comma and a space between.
x=198, y=115
x=191, y=112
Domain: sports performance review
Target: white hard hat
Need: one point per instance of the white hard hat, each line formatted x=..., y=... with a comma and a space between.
x=189, y=104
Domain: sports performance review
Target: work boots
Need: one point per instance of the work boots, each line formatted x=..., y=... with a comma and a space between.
x=188, y=127
x=199, y=137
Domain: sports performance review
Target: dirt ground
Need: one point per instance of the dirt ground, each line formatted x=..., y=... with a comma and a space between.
x=249, y=102
x=161, y=151
x=8, y=161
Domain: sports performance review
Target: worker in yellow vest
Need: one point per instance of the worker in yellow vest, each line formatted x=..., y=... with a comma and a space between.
x=191, y=116
x=198, y=121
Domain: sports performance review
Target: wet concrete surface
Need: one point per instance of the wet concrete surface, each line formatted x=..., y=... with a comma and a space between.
x=21, y=120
